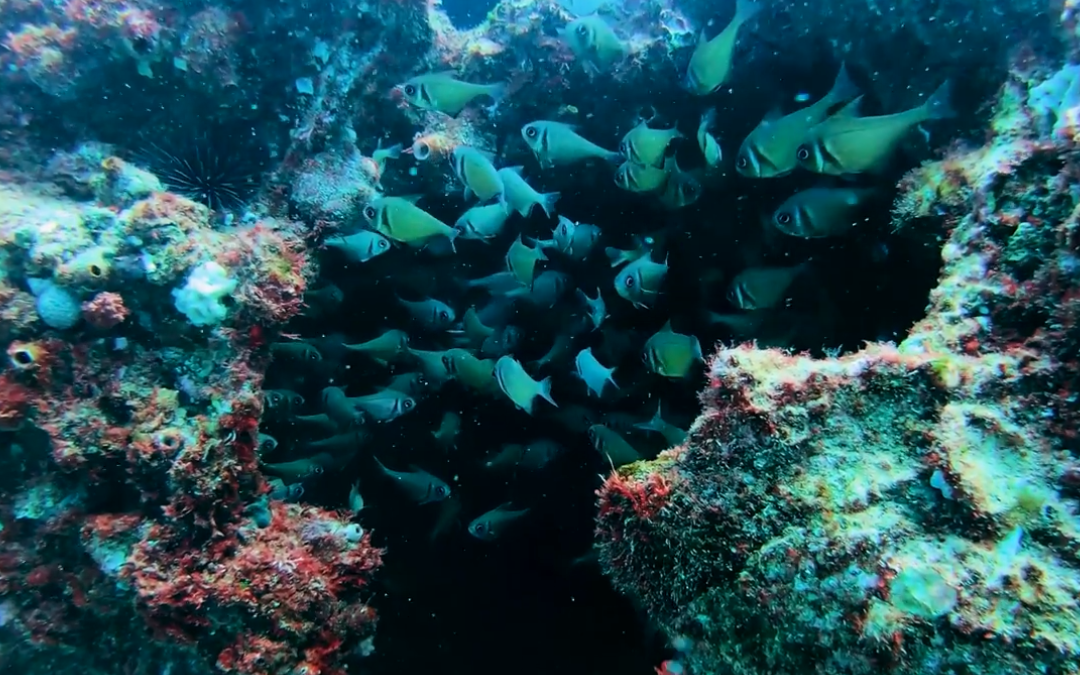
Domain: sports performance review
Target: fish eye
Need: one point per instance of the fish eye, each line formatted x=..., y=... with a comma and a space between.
x=383, y=243
x=742, y=163
x=313, y=356
x=563, y=228
x=803, y=153
x=628, y=281
x=531, y=132
x=298, y=491
x=407, y=404
x=273, y=399
x=444, y=315
x=298, y=401
x=441, y=491
x=410, y=90
x=582, y=30
x=369, y=212
x=479, y=528
x=783, y=218
x=317, y=469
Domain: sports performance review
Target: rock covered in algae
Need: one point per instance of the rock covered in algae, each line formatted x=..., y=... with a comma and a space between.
x=911, y=508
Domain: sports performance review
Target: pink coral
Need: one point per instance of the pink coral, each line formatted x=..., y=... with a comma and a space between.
x=105, y=310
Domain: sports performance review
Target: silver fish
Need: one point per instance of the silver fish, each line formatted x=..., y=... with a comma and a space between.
x=494, y=524
x=418, y=485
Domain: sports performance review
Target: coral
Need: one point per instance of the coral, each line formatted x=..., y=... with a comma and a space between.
x=906, y=508
x=138, y=502
x=105, y=310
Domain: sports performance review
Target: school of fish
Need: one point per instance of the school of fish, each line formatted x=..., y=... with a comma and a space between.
x=456, y=355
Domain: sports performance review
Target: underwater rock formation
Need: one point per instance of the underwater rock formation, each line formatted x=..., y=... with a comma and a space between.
x=135, y=519
x=908, y=508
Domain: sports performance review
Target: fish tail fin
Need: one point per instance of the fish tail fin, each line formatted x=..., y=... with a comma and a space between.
x=745, y=10
x=545, y=391
x=394, y=151
x=613, y=157
x=614, y=255
x=498, y=91
x=939, y=106
x=843, y=89
x=708, y=118
x=547, y=202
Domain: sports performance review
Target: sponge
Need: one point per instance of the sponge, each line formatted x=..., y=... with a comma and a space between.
x=200, y=298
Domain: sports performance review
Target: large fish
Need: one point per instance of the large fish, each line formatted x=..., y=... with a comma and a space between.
x=821, y=212
x=710, y=65
x=398, y=218
x=558, y=144
x=846, y=144
x=443, y=92
x=594, y=43
x=769, y=150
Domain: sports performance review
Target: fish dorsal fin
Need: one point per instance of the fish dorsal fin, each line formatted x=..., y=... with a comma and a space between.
x=774, y=114
x=515, y=169
x=851, y=110
x=666, y=328
x=448, y=74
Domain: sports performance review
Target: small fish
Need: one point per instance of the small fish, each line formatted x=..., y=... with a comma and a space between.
x=519, y=387
x=432, y=314
x=449, y=516
x=640, y=281
x=546, y=290
x=495, y=523
x=299, y=469
x=647, y=147
x=384, y=405
x=672, y=434
x=266, y=445
x=595, y=308
x=449, y=428
x=576, y=240
x=593, y=373
x=339, y=408
x=769, y=150
x=762, y=287
x=612, y=446
x=322, y=301
x=381, y=154
x=531, y=457
x=356, y=500
x=432, y=365
x=473, y=373
x=295, y=351
x=640, y=178
x=521, y=197
x=418, y=485
x=483, y=223
x=559, y=350
x=412, y=384
x=474, y=330
x=500, y=282
x=384, y=348
x=710, y=65
x=441, y=91
x=682, y=188
x=476, y=171
x=286, y=493
x=846, y=144
x=574, y=418
x=318, y=423
x=398, y=218
x=618, y=257
x=558, y=144
x=360, y=247
x=594, y=43
x=282, y=402
x=671, y=354
x=521, y=261
x=349, y=441
x=821, y=212
x=503, y=341
x=710, y=148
